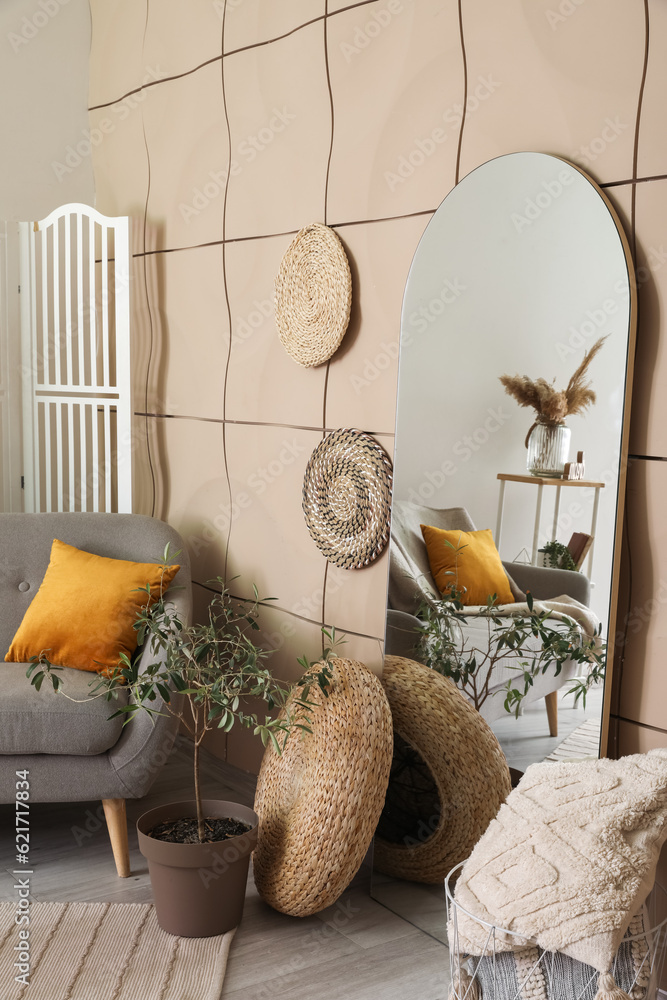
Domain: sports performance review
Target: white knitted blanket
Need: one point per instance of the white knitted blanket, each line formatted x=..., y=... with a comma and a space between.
x=562, y=609
x=569, y=859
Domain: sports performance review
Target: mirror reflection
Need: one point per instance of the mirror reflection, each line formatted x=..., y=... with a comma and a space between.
x=511, y=399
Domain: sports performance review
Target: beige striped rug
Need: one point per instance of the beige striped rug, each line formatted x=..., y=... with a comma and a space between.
x=108, y=951
x=583, y=742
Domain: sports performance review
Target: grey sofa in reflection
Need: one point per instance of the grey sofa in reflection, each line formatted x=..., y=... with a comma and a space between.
x=72, y=751
x=411, y=583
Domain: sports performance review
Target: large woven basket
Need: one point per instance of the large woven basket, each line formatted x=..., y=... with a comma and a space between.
x=319, y=802
x=347, y=498
x=313, y=295
x=449, y=776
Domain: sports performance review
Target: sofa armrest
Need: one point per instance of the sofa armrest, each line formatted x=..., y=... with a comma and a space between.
x=142, y=749
x=401, y=638
x=147, y=739
x=544, y=583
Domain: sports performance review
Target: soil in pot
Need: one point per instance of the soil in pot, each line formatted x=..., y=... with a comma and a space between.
x=198, y=889
x=185, y=830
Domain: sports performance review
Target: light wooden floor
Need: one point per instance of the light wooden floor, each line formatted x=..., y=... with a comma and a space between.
x=526, y=740
x=355, y=950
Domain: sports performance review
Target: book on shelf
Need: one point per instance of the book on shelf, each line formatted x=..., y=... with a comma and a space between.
x=579, y=545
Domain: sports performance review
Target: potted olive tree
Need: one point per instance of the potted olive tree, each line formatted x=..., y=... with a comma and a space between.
x=198, y=850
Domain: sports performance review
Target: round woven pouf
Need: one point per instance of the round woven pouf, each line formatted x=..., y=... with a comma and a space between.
x=313, y=295
x=347, y=498
x=448, y=778
x=319, y=802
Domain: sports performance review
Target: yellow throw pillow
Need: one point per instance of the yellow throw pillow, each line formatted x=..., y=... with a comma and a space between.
x=476, y=571
x=83, y=614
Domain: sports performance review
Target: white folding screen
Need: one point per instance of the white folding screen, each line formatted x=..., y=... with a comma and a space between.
x=75, y=362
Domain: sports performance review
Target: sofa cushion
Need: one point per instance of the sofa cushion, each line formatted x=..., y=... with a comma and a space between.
x=46, y=722
x=84, y=612
x=469, y=562
x=410, y=577
x=25, y=546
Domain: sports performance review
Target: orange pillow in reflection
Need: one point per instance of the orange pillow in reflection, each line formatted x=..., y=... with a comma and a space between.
x=83, y=614
x=469, y=561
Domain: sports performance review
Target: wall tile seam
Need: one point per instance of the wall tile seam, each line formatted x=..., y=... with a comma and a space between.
x=148, y=298
x=315, y=428
x=325, y=42
x=633, y=180
x=226, y=55
x=638, y=118
x=225, y=284
x=304, y=618
x=464, y=58
x=153, y=83
x=290, y=232
x=634, y=722
x=343, y=225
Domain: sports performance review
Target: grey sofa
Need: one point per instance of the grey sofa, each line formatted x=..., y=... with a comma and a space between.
x=72, y=751
x=411, y=583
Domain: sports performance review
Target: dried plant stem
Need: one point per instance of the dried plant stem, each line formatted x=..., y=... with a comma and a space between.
x=554, y=405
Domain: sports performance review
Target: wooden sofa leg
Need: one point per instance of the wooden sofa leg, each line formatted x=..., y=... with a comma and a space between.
x=552, y=712
x=116, y=817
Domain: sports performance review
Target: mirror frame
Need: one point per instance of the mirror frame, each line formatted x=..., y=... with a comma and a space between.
x=624, y=436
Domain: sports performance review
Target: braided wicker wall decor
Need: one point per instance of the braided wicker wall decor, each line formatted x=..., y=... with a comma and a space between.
x=468, y=772
x=347, y=498
x=319, y=802
x=313, y=295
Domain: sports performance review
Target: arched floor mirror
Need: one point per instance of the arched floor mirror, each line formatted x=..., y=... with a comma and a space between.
x=521, y=270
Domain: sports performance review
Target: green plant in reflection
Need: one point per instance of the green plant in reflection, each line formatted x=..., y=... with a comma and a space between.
x=530, y=644
x=559, y=556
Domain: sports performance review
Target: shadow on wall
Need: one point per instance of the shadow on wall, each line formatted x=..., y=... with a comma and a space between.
x=635, y=608
x=149, y=367
x=354, y=325
x=648, y=335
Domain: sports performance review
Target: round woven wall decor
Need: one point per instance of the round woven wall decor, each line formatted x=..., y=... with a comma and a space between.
x=319, y=802
x=313, y=295
x=446, y=758
x=347, y=498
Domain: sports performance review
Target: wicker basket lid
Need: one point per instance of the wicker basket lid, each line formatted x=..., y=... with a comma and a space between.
x=347, y=498
x=449, y=776
x=319, y=802
x=313, y=295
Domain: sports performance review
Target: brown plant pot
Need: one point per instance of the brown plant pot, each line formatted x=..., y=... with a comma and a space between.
x=199, y=889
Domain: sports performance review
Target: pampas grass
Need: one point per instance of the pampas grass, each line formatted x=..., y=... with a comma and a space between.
x=554, y=405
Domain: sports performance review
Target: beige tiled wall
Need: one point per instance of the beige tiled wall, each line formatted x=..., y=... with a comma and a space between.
x=237, y=123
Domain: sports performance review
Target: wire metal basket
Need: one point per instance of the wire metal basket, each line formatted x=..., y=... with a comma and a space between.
x=529, y=973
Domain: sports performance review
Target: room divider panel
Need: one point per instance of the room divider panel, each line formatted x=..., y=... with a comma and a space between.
x=75, y=362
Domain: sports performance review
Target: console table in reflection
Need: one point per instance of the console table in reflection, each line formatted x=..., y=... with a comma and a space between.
x=559, y=484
